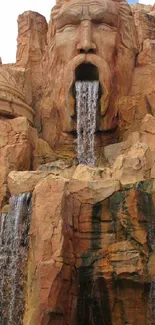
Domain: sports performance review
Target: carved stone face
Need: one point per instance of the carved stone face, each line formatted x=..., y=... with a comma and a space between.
x=94, y=40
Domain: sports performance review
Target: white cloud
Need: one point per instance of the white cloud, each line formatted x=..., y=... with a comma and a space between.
x=147, y=2
x=8, y=23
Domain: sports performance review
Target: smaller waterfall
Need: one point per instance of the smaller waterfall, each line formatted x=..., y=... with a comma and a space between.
x=2, y=263
x=3, y=217
x=13, y=257
x=86, y=104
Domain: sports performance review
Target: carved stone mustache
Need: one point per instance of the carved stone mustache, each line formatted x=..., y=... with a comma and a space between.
x=104, y=75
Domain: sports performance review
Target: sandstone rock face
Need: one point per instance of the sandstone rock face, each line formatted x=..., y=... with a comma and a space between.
x=25, y=181
x=31, y=43
x=32, y=29
x=52, y=96
x=140, y=99
x=42, y=154
x=133, y=98
x=84, y=254
x=15, y=150
x=68, y=49
x=12, y=98
x=92, y=232
x=145, y=23
x=22, y=150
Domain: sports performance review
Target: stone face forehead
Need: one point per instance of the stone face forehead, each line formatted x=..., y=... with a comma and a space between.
x=77, y=10
x=106, y=4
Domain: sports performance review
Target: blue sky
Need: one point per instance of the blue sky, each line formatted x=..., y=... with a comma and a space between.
x=10, y=9
x=132, y=1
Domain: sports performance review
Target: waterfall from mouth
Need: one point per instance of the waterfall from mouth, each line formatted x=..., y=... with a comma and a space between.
x=13, y=258
x=86, y=103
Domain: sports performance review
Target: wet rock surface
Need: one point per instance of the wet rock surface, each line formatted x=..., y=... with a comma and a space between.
x=91, y=257
x=86, y=254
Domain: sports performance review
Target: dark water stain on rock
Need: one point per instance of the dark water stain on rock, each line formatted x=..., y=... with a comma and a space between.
x=96, y=226
x=147, y=209
x=93, y=301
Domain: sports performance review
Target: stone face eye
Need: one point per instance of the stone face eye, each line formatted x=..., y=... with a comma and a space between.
x=68, y=28
x=103, y=26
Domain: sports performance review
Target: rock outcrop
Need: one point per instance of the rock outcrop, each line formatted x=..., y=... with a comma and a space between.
x=32, y=34
x=91, y=258
x=15, y=100
x=89, y=246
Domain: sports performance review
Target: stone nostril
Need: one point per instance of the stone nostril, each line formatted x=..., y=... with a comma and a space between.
x=92, y=51
x=87, y=51
x=82, y=51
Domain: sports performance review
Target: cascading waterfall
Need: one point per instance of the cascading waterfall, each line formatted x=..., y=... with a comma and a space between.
x=3, y=217
x=13, y=257
x=86, y=103
x=2, y=262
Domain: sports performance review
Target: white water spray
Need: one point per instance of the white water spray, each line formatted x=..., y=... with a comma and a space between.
x=14, y=231
x=86, y=103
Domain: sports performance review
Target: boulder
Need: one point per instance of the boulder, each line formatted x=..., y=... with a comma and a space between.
x=15, y=149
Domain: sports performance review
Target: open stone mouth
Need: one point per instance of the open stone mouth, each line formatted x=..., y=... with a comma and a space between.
x=84, y=72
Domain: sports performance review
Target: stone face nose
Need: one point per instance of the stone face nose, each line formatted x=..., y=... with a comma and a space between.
x=86, y=45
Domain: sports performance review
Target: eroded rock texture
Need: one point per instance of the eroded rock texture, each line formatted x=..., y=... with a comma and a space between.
x=15, y=150
x=32, y=30
x=32, y=35
x=92, y=260
x=92, y=232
